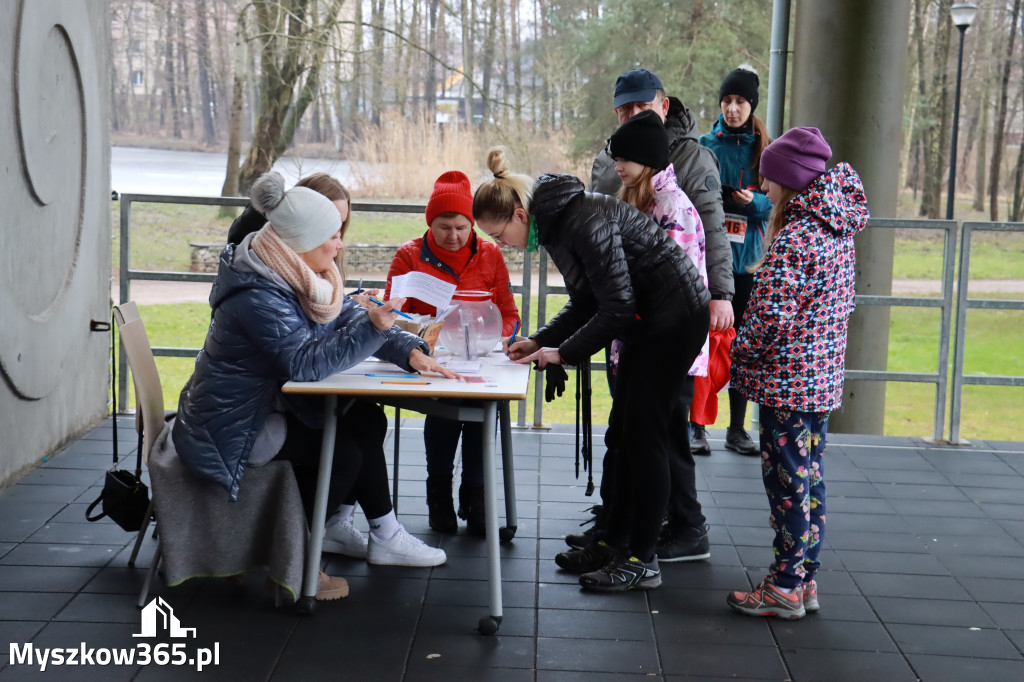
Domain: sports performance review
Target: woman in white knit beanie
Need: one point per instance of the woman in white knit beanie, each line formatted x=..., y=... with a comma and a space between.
x=279, y=314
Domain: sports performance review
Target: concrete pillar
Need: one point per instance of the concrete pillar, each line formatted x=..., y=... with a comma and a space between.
x=849, y=63
x=55, y=233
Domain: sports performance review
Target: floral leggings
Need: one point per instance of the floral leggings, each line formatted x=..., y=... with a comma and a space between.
x=792, y=445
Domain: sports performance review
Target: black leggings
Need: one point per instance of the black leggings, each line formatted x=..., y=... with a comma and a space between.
x=737, y=401
x=653, y=366
x=360, y=469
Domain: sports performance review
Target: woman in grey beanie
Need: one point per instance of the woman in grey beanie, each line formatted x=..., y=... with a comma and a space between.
x=279, y=314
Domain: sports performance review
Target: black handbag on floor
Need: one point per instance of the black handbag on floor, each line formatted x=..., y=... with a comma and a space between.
x=125, y=498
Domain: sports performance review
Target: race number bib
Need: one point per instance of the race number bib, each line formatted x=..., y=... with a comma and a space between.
x=736, y=227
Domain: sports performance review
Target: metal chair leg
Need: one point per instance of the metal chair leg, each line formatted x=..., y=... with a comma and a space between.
x=141, y=536
x=144, y=593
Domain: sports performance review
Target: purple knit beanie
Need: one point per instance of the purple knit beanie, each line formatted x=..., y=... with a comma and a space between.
x=796, y=158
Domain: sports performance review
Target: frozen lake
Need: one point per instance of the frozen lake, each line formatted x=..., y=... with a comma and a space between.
x=135, y=170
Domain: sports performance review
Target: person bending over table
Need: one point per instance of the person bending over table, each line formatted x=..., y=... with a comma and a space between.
x=627, y=280
x=451, y=251
x=279, y=314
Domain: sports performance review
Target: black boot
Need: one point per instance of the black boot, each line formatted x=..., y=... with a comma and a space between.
x=471, y=508
x=440, y=505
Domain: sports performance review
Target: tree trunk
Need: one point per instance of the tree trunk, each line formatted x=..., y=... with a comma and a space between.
x=377, y=77
x=980, y=160
x=185, y=85
x=487, y=61
x=430, y=83
x=934, y=135
x=230, y=187
x=203, y=60
x=1000, y=122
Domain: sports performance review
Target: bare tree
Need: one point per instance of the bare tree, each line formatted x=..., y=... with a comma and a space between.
x=1000, y=122
x=203, y=62
x=292, y=41
x=230, y=187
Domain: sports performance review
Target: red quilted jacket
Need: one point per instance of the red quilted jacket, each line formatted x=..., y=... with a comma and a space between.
x=484, y=271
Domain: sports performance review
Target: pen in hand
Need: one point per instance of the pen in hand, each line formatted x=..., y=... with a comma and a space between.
x=359, y=289
x=512, y=338
x=396, y=312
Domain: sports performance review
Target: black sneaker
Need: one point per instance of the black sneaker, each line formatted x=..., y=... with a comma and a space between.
x=687, y=544
x=587, y=559
x=737, y=440
x=629, y=573
x=699, y=441
x=592, y=534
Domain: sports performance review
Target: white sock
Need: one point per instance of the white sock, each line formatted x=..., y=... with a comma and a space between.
x=785, y=590
x=344, y=514
x=384, y=527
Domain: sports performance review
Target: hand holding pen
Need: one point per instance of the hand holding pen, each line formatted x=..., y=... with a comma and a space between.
x=383, y=315
x=511, y=339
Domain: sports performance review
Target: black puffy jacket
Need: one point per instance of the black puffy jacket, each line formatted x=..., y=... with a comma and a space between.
x=618, y=266
x=259, y=338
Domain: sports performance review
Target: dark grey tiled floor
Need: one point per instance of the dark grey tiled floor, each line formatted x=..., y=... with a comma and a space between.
x=923, y=579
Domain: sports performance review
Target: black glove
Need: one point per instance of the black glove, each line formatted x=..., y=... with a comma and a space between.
x=554, y=382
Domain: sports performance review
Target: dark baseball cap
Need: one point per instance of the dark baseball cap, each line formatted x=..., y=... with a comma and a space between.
x=636, y=85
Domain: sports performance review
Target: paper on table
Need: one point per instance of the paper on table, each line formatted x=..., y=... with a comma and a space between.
x=463, y=366
x=429, y=289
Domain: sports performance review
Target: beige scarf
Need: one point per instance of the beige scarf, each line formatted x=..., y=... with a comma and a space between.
x=320, y=294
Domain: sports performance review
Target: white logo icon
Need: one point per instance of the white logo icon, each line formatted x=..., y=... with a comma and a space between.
x=159, y=616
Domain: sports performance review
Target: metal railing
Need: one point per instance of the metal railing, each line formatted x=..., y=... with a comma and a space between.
x=944, y=302
x=962, y=304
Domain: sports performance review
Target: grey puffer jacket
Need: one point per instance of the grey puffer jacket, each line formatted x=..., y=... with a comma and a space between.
x=259, y=338
x=698, y=175
x=620, y=268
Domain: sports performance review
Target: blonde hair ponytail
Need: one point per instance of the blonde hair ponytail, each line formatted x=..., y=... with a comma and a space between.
x=499, y=197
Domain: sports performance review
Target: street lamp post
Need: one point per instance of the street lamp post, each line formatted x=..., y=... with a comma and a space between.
x=963, y=14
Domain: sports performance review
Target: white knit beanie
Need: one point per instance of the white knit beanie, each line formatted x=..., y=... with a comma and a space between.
x=303, y=218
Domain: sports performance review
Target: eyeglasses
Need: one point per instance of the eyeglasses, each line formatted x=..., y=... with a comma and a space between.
x=497, y=237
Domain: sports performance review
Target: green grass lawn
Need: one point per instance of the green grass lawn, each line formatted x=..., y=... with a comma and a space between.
x=994, y=346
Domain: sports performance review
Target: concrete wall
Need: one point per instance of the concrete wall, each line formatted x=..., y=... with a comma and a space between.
x=55, y=227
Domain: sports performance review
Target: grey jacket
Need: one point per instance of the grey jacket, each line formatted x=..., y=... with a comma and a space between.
x=698, y=175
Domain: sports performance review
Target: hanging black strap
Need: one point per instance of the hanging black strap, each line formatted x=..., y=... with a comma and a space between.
x=113, y=380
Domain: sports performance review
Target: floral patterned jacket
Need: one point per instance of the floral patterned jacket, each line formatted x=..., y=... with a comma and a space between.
x=790, y=350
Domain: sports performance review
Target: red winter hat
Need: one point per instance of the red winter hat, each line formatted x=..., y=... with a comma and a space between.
x=451, y=195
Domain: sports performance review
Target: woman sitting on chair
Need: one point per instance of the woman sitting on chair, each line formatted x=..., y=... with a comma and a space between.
x=279, y=314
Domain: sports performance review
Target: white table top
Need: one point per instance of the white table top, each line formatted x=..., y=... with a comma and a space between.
x=503, y=380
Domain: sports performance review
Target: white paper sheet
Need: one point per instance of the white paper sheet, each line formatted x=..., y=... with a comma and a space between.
x=429, y=289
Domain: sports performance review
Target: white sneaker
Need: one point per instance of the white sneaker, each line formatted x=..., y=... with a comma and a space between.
x=345, y=538
x=403, y=550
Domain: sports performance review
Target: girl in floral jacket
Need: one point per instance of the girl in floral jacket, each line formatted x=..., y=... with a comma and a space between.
x=640, y=150
x=788, y=355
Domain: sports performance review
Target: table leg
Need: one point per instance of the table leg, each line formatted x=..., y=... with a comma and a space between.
x=489, y=624
x=311, y=578
x=508, y=471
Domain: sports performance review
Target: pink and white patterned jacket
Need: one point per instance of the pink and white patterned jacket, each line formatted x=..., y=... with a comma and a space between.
x=790, y=350
x=676, y=214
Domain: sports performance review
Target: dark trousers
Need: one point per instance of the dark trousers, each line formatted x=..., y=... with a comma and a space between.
x=737, y=401
x=653, y=366
x=794, y=480
x=441, y=438
x=360, y=470
x=684, y=510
